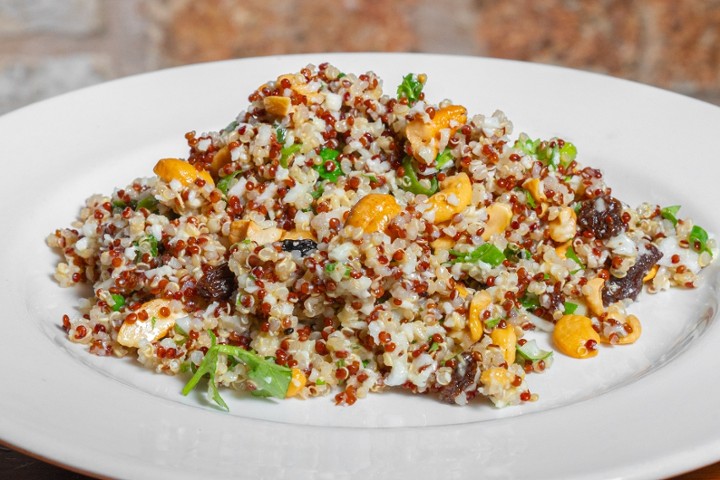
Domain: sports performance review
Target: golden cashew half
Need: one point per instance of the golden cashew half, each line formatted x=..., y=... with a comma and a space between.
x=592, y=292
x=156, y=326
x=532, y=185
x=277, y=105
x=170, y=169
x=454, y=196
x=247, y=229
x=506, y=339
x=481, y=300
x=426, y=135
x=297, y=382
x=633, y=324
x=499, y=217
x=575, y=336
x=563, y=227
x=497, y=375
x=373, y=212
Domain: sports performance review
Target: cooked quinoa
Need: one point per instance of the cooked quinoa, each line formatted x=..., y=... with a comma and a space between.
x=336, y=239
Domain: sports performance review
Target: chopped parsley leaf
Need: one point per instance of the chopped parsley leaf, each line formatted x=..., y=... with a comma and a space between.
x=224, y=183
x=271, y=380
x=410, y=88
x=530, y=301
x=147, y=244
x=530, y=351
x=486, y=253
x=119, y=302
x=148, y=203
x=570, y=308
x=280, y=134
x=529, y=199
x=329, y=157
x=547, y=151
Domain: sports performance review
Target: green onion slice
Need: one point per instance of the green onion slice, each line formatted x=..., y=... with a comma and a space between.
x=411, y=183
x=669, y=213
x=698, y=239
x=570, y=253
x=530, y=351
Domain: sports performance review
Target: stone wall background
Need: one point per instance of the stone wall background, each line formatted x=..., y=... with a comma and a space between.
x=49, y=47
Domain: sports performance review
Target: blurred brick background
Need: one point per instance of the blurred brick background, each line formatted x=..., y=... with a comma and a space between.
x=52, y=46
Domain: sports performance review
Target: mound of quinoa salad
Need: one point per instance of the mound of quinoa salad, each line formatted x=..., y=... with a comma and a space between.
x=335, y=239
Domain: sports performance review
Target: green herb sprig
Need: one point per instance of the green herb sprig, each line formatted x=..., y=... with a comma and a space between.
x=410, y=88
x=271, y=380
x=486, y=253
x=329, y=155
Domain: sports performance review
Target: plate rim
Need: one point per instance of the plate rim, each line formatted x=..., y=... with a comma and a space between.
x=687, y=459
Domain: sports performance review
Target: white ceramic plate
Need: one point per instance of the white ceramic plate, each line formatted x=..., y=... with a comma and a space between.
x=643, y=411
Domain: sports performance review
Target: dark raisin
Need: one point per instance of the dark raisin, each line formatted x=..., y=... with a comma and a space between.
x=550, y=302
x=464, y=379
x=602, y=216
x=304, y=246
x=630, y=285
x=218, y=283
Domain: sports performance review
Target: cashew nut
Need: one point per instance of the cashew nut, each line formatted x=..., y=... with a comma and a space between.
x=298, y=84
x=297, y=382
x=442, y=243
x=635, y=330
x=277, y=105
x=220, y=159
x=170, y=169
x=454, y=196
x=156, y=326
x=651, y=274
x=532, y=185
x=561, y=250
x=461, y=289
x=373, y=212
x=563, y=227
x=424, y=137
x=575, y=336
x=499, y=216
x=481, y=300
x=592, y=291
x=497, y=375
x=506, y=339
x=297, y=235
x=247, y=229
